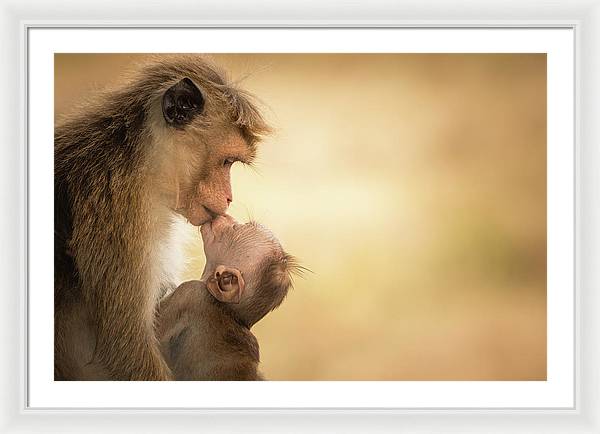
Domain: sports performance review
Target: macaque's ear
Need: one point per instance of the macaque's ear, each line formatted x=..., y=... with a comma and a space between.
x=226, y=284
x=181, y=102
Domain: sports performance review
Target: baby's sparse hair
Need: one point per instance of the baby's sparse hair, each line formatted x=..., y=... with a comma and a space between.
x=275, y=282
x=247, y=268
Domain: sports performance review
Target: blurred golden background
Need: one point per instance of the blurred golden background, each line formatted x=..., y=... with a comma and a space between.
x=414, y=188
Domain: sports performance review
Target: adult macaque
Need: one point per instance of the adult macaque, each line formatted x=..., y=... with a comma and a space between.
x=204, y=326
x=130, y=167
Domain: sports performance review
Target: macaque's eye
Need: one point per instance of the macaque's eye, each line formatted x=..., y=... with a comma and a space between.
x=228, y=162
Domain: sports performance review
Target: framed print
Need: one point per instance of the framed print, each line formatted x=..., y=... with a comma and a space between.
x=420, y=246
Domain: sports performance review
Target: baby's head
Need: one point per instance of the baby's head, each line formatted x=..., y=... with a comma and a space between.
x=246, y=267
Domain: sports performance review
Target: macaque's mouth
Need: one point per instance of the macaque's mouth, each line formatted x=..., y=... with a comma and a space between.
x=213, y=215
x=198, y=215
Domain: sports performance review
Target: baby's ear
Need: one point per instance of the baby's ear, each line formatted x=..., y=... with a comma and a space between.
x=226, y=284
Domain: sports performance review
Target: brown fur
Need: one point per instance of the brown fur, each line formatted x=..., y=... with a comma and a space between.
x=204, y=339
x=204, y=326
x=120, y=175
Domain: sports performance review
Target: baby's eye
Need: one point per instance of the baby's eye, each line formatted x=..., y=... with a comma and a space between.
x=229, y=161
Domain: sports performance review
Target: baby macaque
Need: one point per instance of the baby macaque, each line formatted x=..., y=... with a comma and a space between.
x=204, y=326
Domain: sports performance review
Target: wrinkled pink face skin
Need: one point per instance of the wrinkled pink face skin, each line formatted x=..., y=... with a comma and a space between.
x=204, y=188
x=242, y=246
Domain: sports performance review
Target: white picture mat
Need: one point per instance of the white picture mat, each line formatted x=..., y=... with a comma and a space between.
x=557, y=392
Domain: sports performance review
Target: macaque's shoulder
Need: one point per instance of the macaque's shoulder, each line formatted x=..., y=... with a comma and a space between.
x=241, y=340
x=239, y=370
x=234, y=354
x=185, y=295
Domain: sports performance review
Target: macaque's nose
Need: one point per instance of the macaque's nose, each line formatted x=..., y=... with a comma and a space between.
x=229, y=200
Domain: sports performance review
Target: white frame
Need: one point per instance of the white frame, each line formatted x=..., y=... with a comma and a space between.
x=558, y=391
x=584, y=16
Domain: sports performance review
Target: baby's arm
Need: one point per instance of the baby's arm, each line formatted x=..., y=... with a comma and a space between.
x=174, y=325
